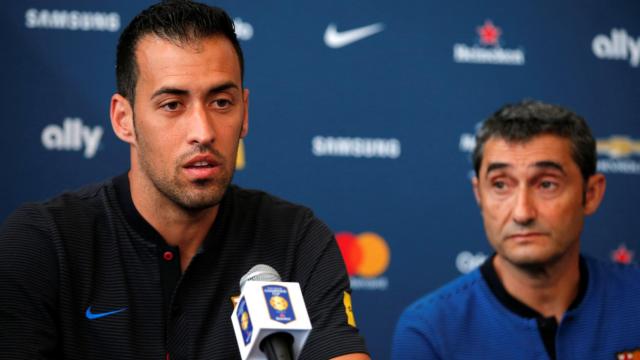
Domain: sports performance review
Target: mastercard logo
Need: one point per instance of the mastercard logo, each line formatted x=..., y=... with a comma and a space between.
x=365, y=254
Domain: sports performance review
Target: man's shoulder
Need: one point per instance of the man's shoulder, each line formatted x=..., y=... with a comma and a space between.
x=613, y=275
x=66, y=208
x=437, y=320
x=62, y=222
x=81, y=200
x=452, y=298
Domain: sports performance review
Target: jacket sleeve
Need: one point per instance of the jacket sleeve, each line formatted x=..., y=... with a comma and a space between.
x=28, y=278
x=327, y=295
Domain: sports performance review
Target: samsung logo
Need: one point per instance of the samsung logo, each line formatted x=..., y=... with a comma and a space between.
x=72, y=20
x=355, y=147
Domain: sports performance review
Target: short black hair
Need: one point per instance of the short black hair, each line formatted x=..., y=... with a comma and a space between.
x=178, y=21
x=527, y=119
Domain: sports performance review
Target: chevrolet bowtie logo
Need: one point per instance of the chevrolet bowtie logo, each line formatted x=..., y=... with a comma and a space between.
x=618, y=146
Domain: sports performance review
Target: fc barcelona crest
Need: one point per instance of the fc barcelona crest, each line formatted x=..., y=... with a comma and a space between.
x=278, y=303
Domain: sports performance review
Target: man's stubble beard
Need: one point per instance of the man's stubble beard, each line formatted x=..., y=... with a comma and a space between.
x=207, y=193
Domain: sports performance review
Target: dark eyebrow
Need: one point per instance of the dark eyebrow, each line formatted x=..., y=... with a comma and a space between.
x=211, y=91
x=496, y=166
x=549, y=165
x=222, y=87
x=168, y=90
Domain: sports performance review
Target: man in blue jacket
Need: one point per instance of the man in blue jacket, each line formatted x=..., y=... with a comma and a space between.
x=537, y=297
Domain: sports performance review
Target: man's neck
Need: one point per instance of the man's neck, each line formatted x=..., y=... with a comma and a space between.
x=177, y=226
x=548, y=289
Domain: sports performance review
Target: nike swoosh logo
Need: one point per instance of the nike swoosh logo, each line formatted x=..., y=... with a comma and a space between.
x=92, y=316
x=335, y=39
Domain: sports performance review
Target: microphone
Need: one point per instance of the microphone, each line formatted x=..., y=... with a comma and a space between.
x=270, y=319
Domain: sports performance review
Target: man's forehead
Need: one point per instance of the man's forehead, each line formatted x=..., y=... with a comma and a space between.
x=152, y=43
x=530, y=153
x=192, y=43
x=170, y=61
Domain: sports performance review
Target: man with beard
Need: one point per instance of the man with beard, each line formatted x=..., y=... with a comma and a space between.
x=536, y=297
x=146, y=265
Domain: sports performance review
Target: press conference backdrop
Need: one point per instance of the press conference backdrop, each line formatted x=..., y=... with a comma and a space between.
x=362, y=110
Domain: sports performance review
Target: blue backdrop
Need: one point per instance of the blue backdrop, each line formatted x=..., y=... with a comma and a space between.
x=373, y=130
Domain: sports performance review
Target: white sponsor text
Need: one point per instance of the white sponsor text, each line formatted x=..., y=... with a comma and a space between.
x=72, y=136
x=244, y=30
x=72, y=20
x=466, y=262
x=380, y=283
x=619, y=46
x=356, y=147
x=481, y=55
